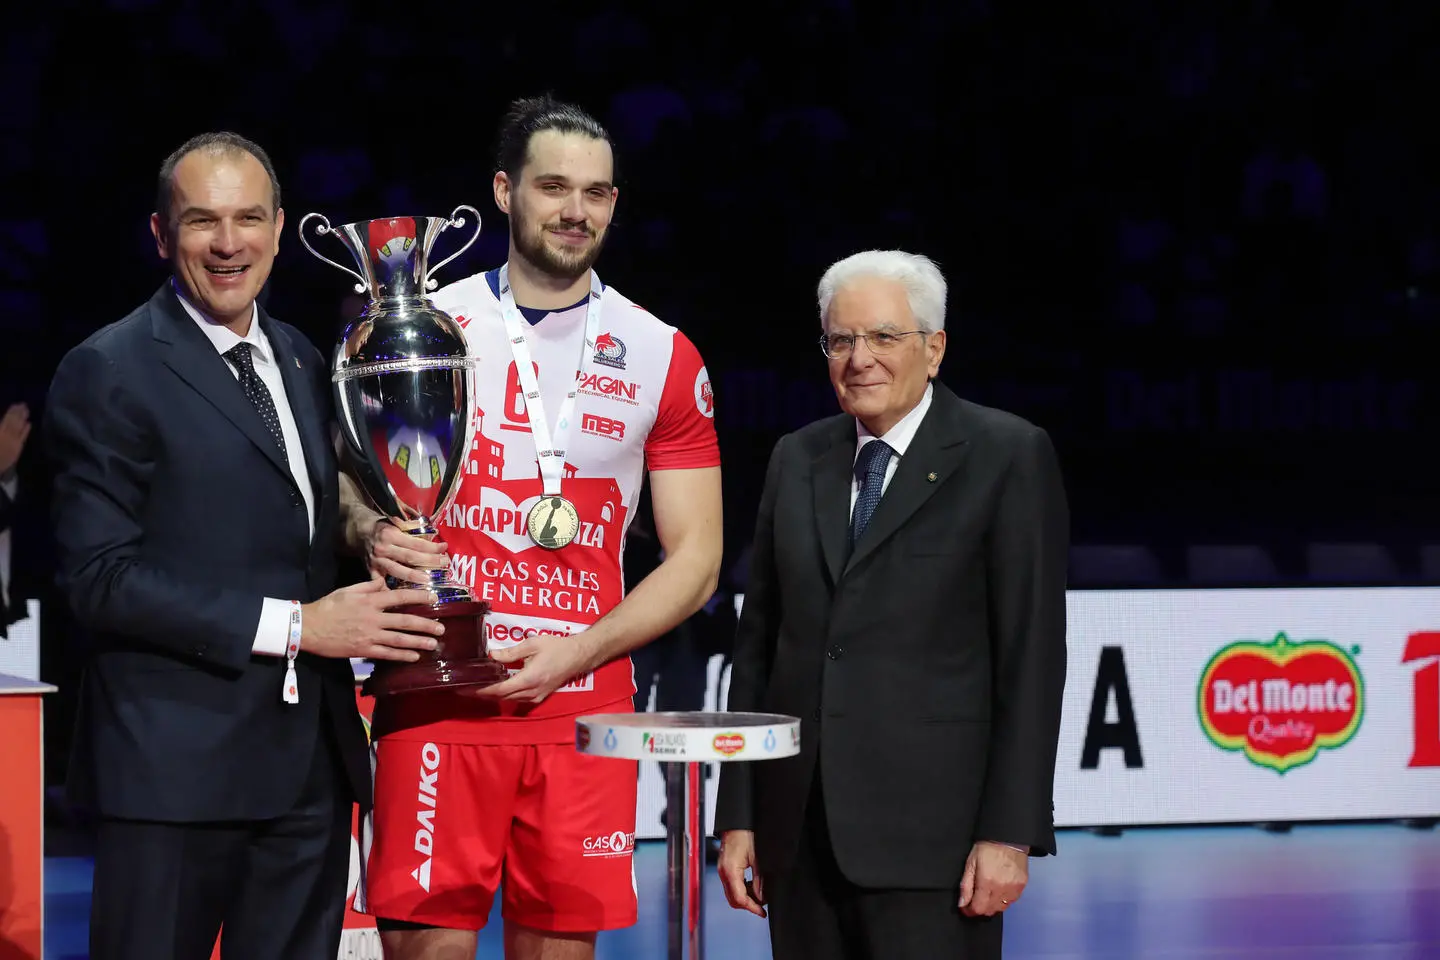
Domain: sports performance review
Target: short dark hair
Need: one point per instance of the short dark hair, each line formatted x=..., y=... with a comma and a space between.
x=221, y=143
x=531, y=115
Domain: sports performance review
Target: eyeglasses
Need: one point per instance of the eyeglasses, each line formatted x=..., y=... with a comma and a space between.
x=838, y=346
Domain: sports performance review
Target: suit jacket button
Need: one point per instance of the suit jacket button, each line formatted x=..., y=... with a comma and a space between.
x=834, y=652
x=816, y=715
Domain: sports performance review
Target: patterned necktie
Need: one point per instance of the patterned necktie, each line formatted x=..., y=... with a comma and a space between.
x=870, y=469
x=255, y=389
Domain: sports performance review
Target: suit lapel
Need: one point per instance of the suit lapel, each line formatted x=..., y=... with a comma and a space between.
x=939, y=447
x=193, y=358
x=302, y=405
x=830, y=475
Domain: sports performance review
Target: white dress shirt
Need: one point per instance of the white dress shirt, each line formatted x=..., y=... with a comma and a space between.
x=273, y=632
x=898, y=437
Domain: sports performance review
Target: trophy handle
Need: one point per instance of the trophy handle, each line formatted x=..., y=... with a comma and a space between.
x=454, y=221
x=320, y=231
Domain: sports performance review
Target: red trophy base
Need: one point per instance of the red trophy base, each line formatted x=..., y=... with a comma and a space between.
x=460, y=660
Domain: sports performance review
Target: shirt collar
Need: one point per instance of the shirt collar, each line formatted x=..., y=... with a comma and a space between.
x=899, y=436
x=222, y=338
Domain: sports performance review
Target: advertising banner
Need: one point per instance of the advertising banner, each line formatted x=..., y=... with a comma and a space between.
x=1233, y=706
x=1209, y=706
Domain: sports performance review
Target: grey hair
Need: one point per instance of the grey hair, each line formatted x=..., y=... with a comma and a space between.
x=923, y=282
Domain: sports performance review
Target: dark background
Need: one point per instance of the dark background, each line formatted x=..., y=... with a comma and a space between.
x=1194, y=241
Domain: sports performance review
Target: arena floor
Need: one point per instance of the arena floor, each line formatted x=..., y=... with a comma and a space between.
x=1355, y=892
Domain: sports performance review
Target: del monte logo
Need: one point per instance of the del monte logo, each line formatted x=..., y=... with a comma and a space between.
x=728, y=744
x=1281, y=702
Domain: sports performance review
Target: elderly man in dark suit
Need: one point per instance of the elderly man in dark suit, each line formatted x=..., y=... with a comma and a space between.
x=197, y=520
x=906, y=600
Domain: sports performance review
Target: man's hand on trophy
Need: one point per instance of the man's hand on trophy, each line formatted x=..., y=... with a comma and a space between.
x=391, y=552
x=549, y=661
x=357, y=621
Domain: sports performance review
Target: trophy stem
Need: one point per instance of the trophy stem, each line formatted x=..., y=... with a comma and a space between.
x=441, y=583
x=417, y=526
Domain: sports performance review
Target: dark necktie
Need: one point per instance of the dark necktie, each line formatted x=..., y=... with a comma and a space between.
x=255, y=389
x=870, y=469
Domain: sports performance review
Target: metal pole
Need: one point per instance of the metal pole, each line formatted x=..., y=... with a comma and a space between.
x=695, y=781
x=675, y=854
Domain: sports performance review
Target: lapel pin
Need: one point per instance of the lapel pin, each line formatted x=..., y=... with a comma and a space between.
x=930, y=477
x=297, y=364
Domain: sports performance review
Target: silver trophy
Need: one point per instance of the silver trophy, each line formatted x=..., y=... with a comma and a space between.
x=405, y=399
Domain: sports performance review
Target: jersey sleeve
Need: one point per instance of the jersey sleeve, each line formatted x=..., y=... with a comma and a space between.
x=683, y=437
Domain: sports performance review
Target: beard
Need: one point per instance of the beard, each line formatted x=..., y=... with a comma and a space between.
x=560, y=263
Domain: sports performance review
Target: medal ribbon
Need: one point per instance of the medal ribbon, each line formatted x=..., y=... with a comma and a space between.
x=549, y=447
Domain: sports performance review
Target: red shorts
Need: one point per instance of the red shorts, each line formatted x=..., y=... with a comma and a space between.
x=450, y=820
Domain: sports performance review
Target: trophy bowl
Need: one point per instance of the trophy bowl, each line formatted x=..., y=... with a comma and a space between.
x=405, y=397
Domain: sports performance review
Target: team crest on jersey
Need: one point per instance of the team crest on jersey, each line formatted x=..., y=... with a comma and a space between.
x=610, y=351
x=704, y=394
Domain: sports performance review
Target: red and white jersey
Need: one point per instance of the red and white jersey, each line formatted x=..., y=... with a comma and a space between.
x=645, y=400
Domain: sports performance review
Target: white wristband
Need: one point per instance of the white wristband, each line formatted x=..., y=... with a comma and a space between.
x=292, y=650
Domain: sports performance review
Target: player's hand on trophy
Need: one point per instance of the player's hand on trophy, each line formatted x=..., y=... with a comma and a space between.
x=357, y=621
x=548, y=662
x=391, y=552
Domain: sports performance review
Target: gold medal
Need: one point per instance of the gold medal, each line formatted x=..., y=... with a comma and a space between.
x=553, y=522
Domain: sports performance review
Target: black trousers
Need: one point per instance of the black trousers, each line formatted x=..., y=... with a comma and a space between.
x=163, y=891
x=816, y=913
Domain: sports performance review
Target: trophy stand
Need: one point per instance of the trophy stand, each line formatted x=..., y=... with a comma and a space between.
x=682, y=742
x=459, y=660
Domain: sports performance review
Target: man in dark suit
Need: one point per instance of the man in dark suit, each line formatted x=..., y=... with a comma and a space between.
x=197, y=521
x=906, y=600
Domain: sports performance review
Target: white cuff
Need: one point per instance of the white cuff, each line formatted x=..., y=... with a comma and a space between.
x=278, y=635
x=272, y=635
